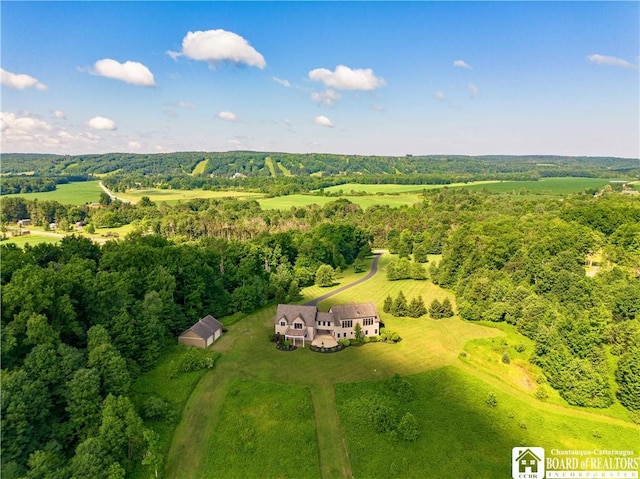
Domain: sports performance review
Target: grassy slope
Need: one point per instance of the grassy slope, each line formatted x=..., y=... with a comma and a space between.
x=200, y=168
x=286, y=202
x=269, y=164
x=173, y=196
x=283, y=169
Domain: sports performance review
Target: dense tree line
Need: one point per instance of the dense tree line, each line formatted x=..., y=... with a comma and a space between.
x=254, y=164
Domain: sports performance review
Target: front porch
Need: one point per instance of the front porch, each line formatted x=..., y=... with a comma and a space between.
x=293, y=334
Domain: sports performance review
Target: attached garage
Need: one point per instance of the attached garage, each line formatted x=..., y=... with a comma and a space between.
x=203, y=333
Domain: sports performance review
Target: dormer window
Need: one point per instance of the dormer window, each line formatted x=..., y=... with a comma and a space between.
x=297, y=325
x=282, y=323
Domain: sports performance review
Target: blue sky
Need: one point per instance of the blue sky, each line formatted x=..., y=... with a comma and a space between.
x=376, y=78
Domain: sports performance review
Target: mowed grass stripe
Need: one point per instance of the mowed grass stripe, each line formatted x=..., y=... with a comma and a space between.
x=200, y=168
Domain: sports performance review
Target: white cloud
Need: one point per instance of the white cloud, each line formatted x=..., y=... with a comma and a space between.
x=323, y=121
x=345, y=78
x=130, y=72
x=284, y=83
x=102, y=123
x=218, y=46
x=379, y=108
x=610, y=61
x=462, y=64
x=19, y=81
x=59, y=115
x=439, y=95
x=473, y=89
x=227, y=116
x=134, y=144
x=187, y=106
x=328, y=97
x=14, y=126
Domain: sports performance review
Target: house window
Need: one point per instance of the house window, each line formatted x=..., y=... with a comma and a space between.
x=347, y=324
x=282, y=323
x=338, y=335
x=375, y=331
x=297, y=325
x=368, y=321
x=366, y=332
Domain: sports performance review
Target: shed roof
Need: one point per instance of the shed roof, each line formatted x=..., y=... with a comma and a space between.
x=205, y=327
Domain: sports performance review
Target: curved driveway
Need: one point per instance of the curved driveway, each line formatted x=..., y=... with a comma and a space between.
x=374, y=270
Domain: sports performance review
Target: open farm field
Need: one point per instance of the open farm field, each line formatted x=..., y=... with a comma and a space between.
x=300, y=201
x=392, y=189
x=31, y=239
x=173, y=196
x=556, y=186
x=69, y=194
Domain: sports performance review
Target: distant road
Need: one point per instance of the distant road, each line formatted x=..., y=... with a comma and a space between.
x=374, y=270
x=110, y=193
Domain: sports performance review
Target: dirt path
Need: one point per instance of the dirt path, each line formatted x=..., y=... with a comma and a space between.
x=334, y=459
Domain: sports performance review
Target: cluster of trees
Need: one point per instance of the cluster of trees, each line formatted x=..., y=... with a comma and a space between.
x=402, y=268
x=399, y=306
x=438, y=310
x=529, y=271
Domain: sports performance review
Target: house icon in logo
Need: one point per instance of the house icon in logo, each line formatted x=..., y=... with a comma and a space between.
x=528, y=461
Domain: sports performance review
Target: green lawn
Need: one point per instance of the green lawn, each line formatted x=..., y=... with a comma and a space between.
x=32, y=239
x=269, y=164
x=392, y=188
x=68, y=194
x=558, y=186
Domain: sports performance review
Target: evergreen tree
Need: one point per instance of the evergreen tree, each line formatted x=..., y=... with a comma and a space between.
x=447, y=310
x=399, y=307
x=417, y=307
x=388, y=303
x=435, y=309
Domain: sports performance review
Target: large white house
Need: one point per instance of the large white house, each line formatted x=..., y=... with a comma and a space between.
x=306, y=324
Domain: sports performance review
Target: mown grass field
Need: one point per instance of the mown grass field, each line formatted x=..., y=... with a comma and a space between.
x=299, y=201
x=31, y=239
x=557, y=186
x=392, y=189
x=200, y=168
x=173, y=196
x=461, y=436
x=69, y=194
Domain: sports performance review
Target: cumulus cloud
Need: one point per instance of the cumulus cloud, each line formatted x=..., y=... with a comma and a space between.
x=323, y=121
x=328, y=97
x=134, y=144
x=134, y=73
x=607, y=60
x=473, y=89
x=214, y=46
x=102, y=123
x=59, y=115
x=227, y=116
x=16, y=126
x=345, y=78
x=19, y=81
x=462, y=64
x=439, y=95
x=284, y=83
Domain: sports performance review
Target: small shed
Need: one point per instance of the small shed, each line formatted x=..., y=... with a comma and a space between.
x=203, y=333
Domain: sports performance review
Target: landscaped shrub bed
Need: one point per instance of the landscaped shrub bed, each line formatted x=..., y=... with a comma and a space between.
x=322, y=349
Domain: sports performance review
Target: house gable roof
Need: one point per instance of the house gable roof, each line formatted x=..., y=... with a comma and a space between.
x=205, y=327
x=292, y=311
x=354, y=311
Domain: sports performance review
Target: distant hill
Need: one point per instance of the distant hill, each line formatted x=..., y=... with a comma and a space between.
x=268, y=164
